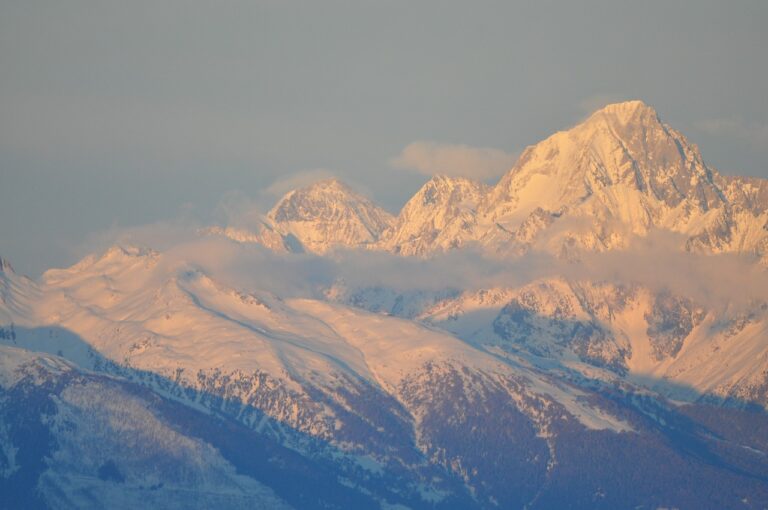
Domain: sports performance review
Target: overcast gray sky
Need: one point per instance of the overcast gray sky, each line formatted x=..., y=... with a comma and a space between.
x=115, y=114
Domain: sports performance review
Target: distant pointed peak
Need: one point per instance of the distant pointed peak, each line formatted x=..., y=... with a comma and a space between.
x=441, y=188
x=323, y=200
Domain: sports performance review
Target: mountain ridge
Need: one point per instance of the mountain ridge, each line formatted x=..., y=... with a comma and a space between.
x=622, y=172
x=400, y=407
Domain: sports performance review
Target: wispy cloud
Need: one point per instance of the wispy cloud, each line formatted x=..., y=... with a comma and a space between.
x=657, y=261
x=718, y=282
x=432, y=158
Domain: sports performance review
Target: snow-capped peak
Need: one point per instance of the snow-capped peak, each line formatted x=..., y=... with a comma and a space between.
x=310, y=202
x=620, y=173
x=620, y=144
x=622, y=169
x=442, y=190
x=627, y=112
x=327, y=214
x=441, y=215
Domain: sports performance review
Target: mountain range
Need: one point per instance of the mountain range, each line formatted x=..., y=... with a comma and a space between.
x=611, y=353
x=621, y=173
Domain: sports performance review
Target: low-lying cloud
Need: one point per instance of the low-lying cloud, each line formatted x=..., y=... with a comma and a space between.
x=658, y=262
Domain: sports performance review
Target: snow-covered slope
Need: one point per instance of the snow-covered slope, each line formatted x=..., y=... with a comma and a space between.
x=135, y=310
x=394, y=411
x=72, y=439
x=666, y=342
x=302, y=370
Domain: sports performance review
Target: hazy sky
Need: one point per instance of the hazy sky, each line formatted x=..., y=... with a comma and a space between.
x=116, y=114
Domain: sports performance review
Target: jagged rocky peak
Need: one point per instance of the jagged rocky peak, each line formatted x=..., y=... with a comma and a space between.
x=327, y=214
x=619, y=173
x=441, y=215
x=622, y=158
x=440, y=201
x=665, y=164
x=443, y=191
x=298, y=204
